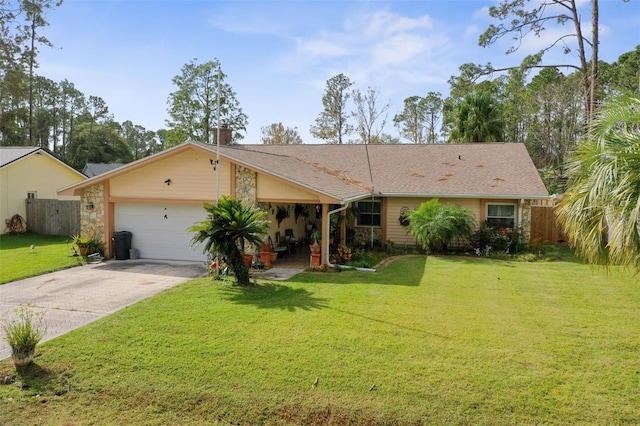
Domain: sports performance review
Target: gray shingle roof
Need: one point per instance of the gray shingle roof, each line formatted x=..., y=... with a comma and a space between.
x=95, y=169
x=10, y=154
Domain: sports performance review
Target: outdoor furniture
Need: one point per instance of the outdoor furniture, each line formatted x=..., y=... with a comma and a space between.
x=291, y=240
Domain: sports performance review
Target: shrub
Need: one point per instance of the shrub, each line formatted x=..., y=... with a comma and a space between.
x=342, y=256
x=435, y=225
x=489, y=238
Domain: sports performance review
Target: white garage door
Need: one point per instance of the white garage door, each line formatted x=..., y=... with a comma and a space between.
x=160, y=231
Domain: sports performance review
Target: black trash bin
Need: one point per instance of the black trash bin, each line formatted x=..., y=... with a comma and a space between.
x=122, y=244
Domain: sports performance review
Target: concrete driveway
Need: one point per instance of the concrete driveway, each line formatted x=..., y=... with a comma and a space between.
x=74, y=297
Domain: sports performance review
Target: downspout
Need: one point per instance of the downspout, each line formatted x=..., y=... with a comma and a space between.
x=326, y=236
x=326, y=232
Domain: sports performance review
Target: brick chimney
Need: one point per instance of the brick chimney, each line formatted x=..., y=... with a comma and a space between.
x=225, y=136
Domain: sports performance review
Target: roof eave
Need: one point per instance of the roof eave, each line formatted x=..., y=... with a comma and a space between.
x=453, y=195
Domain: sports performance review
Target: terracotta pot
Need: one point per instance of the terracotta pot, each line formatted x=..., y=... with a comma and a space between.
x=248, y=259
x=274, y=256
x=315, y=248
x=20, y=359
x=265, y=256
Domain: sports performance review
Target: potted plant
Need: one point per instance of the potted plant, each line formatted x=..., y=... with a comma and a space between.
x=23, y=333
x=300, y=211
x=282, y=214
x=88, y=244
x=315, y=237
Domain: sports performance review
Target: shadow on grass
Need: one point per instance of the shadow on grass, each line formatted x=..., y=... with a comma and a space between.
x=275, y=296
x=403, y=327
x=37, y=380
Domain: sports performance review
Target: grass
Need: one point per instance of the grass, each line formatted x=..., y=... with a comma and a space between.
x=445, y=340
x=18, y=261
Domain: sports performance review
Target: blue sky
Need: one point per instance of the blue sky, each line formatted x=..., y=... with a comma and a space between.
x=278, y=55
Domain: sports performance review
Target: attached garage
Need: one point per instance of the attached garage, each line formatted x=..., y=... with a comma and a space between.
x=160, y=230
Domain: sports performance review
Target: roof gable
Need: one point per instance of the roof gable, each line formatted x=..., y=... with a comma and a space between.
x=13, y=155
x=10, y=155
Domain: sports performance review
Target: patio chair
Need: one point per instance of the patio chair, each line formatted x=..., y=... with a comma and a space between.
x=291, y=240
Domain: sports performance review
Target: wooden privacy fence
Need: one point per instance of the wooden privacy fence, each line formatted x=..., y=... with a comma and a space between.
x=53, y=217
x=543, y=222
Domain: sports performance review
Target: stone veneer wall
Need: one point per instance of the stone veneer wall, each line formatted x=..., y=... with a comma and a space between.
x=246, y=182
x=526, y=220
x=92, y=221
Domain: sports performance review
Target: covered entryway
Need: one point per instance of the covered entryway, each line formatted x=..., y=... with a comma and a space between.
x=160, y=230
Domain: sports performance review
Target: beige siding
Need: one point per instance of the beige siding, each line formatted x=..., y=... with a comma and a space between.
x=38, y=173
x=273, y=189
x=191, y=173
x=399, y=234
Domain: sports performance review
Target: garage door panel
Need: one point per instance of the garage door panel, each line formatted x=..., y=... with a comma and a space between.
x=160, y=231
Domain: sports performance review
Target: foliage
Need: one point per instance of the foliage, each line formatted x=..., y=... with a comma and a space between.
x=21, y=22
x=599, y=212
x=332, y=124
x=88, y=244
x=363, y=258
x=488, y=238
x=97, y=143
x=315, y=236
x=435, y=225
x=523, y=19
x=342, y=255
x=142, y=142
x=300, y=211
x=281, y=214
x=368, y=113
x=277, y=134
x=554, y=117
x=477, y=119
x=542, y=343
x=623, y=76
x=419, y=119
x=194, y=109
x=229, y=224
x=24, y=330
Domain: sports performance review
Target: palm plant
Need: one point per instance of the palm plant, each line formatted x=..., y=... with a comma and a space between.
x=600, y=211
x=477, y=118
x=434, y=225
x=228, y=227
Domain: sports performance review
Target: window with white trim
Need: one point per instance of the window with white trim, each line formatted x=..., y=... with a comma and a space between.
x=370, y=213
x=31, y=195
x=502, y=215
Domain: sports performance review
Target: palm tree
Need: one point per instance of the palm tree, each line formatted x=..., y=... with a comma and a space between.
x=434, y=225
x=229, y=225
x=600, y=212
x=477, y=118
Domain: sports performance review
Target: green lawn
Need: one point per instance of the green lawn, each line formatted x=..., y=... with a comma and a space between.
x=18, y=260
x=455, y=340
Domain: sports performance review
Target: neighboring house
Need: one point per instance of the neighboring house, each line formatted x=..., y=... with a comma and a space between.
x=95, y=169
x=31, y=172
x=159, y=197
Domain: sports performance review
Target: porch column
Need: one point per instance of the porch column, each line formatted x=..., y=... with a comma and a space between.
x=324, y=258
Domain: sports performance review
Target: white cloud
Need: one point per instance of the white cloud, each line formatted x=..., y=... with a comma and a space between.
x=321, y=48
x=404, y=48
x=387, y=23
